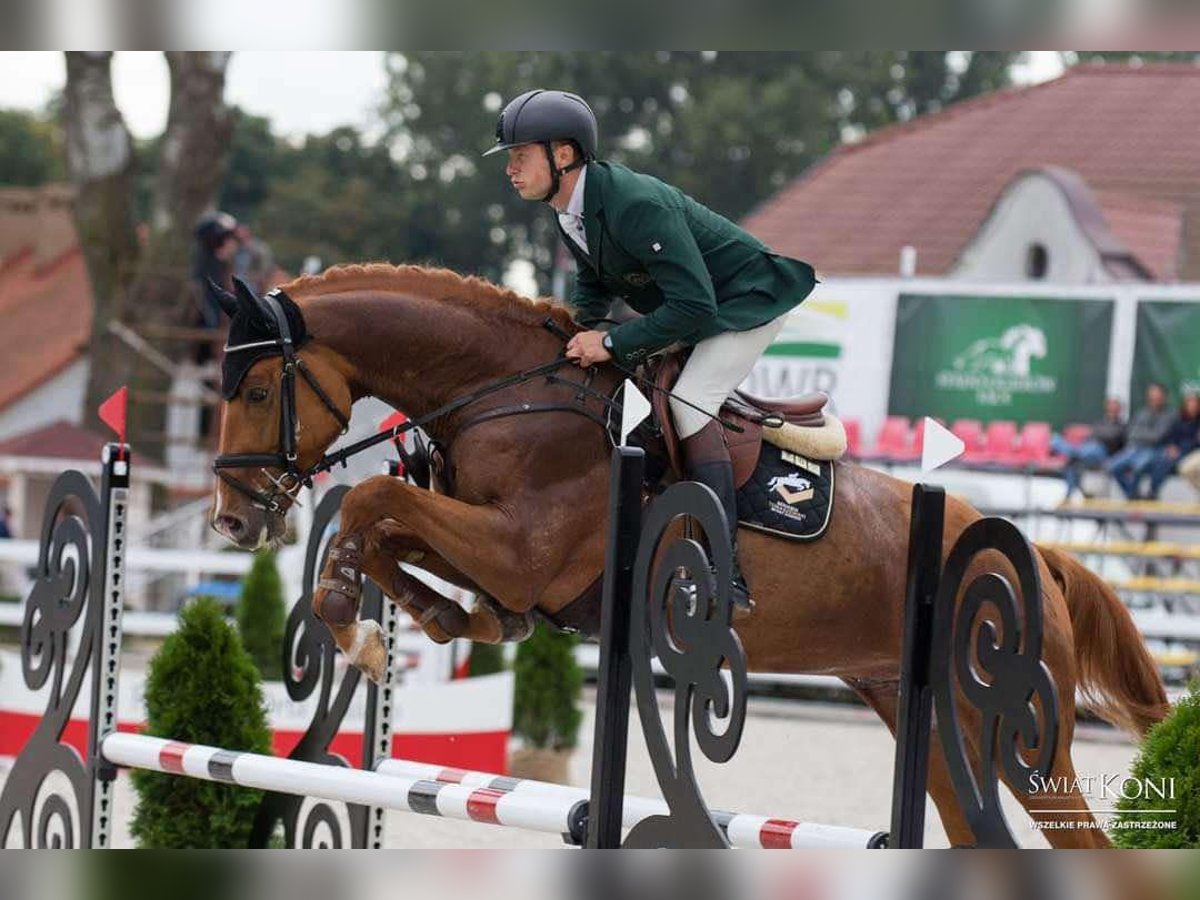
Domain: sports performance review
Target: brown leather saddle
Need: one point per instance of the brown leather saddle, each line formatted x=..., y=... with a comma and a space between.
x=749, y=412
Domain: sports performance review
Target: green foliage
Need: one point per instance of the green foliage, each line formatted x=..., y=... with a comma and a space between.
x=1170, y=751
x=261, y=615
x=30, y=149
x=729, y=128
x=546, y=710
x=486, y=659
x=202, y=688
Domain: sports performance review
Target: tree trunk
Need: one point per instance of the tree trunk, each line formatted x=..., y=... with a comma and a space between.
x=195, y=149
x=101, y=163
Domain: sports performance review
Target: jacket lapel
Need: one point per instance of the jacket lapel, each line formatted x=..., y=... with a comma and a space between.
x=593, y=202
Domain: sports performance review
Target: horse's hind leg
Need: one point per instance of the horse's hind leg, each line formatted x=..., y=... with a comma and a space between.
x=882, y=697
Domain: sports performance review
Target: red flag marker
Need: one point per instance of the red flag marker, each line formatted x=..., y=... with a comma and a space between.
x=113, y=411
x=396, y=418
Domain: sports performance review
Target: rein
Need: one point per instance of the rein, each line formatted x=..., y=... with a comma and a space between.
x=294, y=477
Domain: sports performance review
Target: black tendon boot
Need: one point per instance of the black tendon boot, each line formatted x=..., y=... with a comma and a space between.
x=706, y=459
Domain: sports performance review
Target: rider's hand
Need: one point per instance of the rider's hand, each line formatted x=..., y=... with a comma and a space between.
x=587, y=349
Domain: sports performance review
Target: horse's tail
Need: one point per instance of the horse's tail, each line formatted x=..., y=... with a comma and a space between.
x=1118, y=679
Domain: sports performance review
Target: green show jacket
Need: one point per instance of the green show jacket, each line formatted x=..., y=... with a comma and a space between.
x=691, y=273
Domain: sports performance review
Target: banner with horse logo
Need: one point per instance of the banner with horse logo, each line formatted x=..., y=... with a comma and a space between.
x=993, y=358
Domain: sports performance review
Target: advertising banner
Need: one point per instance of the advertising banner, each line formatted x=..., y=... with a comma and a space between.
x=838, y=341
x=1167, y=348
x=992, y=358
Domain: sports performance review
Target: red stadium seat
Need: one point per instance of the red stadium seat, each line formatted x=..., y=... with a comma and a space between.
x=970, y=432
x=1035, y=446
x=853, y=437
x=1000, y=443
x=894, y=441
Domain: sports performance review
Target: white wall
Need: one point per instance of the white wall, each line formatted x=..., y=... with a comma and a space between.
x=1033, y=210
x=59, y=398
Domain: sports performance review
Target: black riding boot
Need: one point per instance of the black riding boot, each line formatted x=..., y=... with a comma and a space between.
x=706, y=459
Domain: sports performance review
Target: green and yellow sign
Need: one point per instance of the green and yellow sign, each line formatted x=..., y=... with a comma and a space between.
x=990, y=358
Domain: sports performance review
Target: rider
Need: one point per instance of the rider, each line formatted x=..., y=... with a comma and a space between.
x=696, y=277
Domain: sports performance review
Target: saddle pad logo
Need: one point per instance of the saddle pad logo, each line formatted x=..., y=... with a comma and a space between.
x=638, y=279
x=792, y=488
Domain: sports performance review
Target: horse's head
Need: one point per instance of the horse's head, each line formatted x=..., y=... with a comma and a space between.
x=285, y=401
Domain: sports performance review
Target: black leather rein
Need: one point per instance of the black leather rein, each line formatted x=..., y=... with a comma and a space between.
x=294, y=477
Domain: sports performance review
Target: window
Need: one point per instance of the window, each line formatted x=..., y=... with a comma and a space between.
x=1037, y=261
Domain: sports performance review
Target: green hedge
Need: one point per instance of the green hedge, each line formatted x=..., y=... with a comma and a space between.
x=261, y=615
x=1171, y=752
x=202, y=688
x=548, y=686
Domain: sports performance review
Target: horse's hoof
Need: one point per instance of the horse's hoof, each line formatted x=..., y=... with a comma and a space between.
x=371, y=655
x=743, y=612
x=453, y=620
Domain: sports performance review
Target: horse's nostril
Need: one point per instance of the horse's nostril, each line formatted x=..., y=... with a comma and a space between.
x=231, y=525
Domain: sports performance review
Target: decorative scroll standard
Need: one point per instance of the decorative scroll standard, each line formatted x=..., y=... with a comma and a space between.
x=986, y=654
x=80, y=586
x=80, y=579
x=308, y=663
x=676, y=605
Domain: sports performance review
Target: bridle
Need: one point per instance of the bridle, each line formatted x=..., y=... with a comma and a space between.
x=293, y=477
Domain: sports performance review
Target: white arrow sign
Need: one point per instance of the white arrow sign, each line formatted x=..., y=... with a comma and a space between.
x=940, y=446
x=634, y=409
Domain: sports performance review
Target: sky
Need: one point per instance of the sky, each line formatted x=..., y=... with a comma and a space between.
x=301, y=92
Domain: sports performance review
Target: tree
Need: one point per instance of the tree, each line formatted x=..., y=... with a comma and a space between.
x=728, y=128
x=30, y=149
x=201, y=688
x=146, y=280
x=261, y=615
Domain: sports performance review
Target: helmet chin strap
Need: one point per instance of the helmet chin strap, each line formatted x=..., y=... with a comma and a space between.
x=556, y=173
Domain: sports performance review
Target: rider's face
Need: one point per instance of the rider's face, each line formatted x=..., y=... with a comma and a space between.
x=529, y=171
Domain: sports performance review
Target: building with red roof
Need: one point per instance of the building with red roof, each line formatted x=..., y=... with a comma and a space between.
x=1098, y=167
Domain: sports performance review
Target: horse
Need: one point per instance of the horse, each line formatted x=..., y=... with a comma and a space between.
x=521, y=515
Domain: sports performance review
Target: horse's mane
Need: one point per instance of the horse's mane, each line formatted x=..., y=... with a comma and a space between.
x=441, y=284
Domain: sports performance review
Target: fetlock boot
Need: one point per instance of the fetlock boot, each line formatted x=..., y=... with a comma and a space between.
x=706, y=460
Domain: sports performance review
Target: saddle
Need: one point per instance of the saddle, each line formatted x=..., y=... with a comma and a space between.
x=752, y=414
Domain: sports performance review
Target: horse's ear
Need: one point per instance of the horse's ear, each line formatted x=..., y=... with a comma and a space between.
x=224, y=299
x=249, y=303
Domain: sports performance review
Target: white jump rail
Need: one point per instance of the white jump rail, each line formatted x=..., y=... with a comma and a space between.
x=447, y=793
x=743, y=830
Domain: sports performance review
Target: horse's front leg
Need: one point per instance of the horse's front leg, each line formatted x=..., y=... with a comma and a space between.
x=338, y=595
x=381, y=519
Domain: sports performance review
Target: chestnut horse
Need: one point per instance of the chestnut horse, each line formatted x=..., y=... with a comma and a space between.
x=522, y=521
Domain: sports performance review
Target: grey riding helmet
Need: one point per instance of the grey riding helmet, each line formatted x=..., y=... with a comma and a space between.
x=539, y=117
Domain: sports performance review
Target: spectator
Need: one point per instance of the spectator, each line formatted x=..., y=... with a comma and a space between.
x=1146, y=431
x=253, y=262
x=5, y=522
x=216, y=246
x=1189, y=468
x=1107, y=439
x=1179, y=442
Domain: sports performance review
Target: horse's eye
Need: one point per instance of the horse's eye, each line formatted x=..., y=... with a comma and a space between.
x=256, y=395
